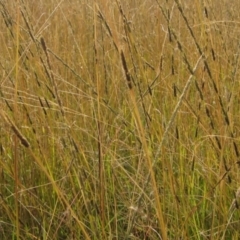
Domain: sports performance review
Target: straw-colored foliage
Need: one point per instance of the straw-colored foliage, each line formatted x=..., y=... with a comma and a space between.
x=119, y=119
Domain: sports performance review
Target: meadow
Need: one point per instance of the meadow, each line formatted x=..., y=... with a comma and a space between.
x=119, y=119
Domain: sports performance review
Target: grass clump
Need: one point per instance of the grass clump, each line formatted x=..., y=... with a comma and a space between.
x=119, y=120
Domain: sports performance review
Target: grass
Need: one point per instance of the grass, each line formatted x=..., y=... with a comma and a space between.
x=119, y=120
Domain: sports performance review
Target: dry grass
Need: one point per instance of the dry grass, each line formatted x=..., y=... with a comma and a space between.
x=119, y=119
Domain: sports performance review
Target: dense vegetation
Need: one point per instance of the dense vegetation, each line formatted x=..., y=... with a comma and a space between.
x=119, y=119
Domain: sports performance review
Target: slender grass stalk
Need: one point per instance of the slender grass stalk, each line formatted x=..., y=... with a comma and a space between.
x=176, y=109
x=101, y=168
x=16, y=157
x=142, y=135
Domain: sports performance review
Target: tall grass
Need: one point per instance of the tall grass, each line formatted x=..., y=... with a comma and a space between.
x=119, y=119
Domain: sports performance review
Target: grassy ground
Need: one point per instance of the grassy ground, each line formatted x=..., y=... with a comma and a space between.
x=119, y=119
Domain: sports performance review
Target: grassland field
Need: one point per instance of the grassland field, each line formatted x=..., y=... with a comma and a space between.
x=119, y=119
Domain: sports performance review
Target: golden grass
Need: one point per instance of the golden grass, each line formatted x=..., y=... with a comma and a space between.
x=119, y=119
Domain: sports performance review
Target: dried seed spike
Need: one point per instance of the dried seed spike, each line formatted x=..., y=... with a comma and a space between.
x=23, y=140
x=213, y=54
x=206, y=11
x=47, y=103
x=43, y=108
x=15, y=129
x=125, y=68
x=235, y=202
x=43, y=44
